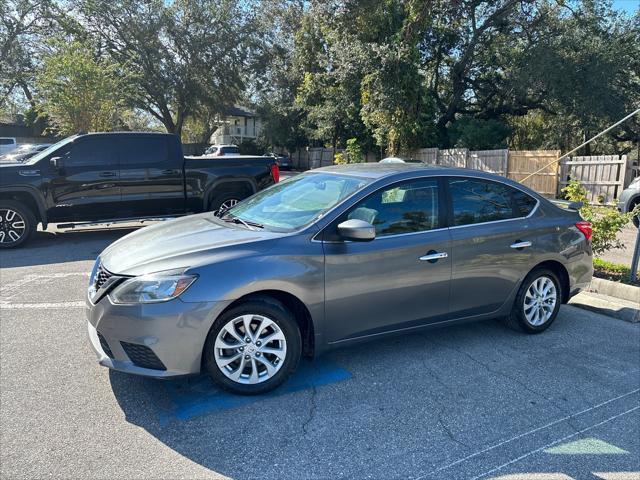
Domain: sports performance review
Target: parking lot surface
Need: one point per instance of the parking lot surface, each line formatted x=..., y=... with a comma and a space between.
x=463, y=402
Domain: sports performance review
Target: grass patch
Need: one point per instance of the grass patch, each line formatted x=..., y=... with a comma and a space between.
x=612, y=271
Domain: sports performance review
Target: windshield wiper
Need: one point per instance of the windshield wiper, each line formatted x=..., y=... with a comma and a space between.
x=233, y=219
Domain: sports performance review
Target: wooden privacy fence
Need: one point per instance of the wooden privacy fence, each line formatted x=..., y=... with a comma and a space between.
x=494, y=161
x=313, y=158
x=603, y=176
x=523, y=163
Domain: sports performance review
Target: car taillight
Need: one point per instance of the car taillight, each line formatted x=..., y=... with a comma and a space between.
x=585, y=228
x=275, y=172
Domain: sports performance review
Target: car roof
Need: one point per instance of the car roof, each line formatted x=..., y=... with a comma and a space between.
x=376, y=171
x=380, y=170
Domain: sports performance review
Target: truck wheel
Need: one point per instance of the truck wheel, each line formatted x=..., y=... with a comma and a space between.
x=224, y=201
x=17, y=224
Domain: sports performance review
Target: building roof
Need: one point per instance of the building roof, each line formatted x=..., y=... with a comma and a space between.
x=238, y=112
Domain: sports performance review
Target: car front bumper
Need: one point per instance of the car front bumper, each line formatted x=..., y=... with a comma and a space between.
x=154, y=340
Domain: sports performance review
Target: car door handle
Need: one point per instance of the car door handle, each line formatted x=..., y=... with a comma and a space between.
x=433, y=256
x=518, y=245
x=107, y=174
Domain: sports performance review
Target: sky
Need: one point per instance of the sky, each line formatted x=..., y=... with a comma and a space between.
x=629, y=6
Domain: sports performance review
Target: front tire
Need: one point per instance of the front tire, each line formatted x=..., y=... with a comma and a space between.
x=17, y=224
x=253, y=348
x=537, y=303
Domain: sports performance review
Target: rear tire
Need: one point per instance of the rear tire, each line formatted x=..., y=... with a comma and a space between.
x=537, y=303
x=17, y=224
x=260, y=360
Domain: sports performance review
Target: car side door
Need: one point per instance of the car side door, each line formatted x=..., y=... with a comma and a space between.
x=399, y=280
x=491, y=238
x=151, y=176
x=84, y=184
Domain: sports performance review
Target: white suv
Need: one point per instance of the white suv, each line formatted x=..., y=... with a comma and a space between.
x=221, y=150
x=7, y=144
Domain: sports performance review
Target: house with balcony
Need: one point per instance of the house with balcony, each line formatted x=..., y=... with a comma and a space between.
x=235, y=126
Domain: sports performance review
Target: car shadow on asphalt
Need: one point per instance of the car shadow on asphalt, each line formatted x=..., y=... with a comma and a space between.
x=46, y=248
x=195, y=418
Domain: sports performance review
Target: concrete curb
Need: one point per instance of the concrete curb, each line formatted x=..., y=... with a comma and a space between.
x=609, y=298
x=609, y=306
x=615, y=289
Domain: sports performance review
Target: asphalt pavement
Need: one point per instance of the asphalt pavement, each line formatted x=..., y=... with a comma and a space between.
x=462, y=402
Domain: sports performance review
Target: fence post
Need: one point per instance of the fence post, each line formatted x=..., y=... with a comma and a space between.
x=636, y=257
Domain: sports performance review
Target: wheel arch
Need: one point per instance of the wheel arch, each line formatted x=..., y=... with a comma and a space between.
x=29, y=198
x=223, y=186
x=296, y=306
x=561, y=272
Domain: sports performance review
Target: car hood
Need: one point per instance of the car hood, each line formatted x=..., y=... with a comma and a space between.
x=179, y=244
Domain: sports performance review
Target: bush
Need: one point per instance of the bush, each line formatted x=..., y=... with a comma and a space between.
x=606, y=222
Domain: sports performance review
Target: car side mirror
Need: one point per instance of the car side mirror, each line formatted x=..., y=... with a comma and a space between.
x=57, y=163
x=357, y=230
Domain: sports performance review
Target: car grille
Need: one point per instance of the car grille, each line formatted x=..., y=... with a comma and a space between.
x=102, y=276
x=105, y=345
x=142, y=356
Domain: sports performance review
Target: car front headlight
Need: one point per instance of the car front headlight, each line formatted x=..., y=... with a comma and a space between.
x=151, y=288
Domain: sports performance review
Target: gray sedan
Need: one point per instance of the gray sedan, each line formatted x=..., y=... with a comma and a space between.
x=333, y=257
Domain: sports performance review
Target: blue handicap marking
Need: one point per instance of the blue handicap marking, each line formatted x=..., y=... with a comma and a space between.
x=199, y=396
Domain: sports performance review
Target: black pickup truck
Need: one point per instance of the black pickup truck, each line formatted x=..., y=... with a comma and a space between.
x=106, y=177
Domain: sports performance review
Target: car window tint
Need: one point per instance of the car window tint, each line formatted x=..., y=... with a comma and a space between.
x=523, y=203
x=143, y=150
x=6, y=141
x=230, y=149
x=405, y=208
x=478, y=201
x=92, y=152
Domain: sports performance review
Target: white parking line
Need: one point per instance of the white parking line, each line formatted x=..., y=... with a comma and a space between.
x=509, y=440
x=24, y=306
x=551, y=444
x=4, y=292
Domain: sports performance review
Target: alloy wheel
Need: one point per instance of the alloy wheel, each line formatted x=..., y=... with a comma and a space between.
x=226, y=205
x=12, y=226
x=250, y=349
x=540, y=301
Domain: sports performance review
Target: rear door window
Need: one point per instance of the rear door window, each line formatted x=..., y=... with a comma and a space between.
x=479, y=201
x=146, y=150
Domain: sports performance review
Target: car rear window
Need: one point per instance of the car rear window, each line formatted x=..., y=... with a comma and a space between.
x=524, y=204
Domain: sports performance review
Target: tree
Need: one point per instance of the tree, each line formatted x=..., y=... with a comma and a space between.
x=23, y=23
x=181, y=54
x=79, y=92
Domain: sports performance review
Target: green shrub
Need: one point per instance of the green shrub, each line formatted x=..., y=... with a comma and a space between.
x=606, y=222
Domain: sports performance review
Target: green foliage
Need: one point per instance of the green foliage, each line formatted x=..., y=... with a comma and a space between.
x=395, y=74
x=612, y=271
x=354, y=151
x=477, y=134
x=79, y=92
x=606, y=222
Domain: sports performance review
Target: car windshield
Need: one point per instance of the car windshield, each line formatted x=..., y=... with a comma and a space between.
x=40, y=155
x=297, y=201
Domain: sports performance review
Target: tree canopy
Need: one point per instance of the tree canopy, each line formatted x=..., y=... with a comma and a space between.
x=391, y=74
